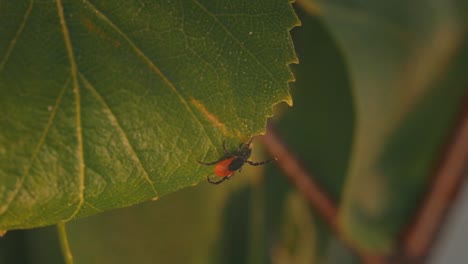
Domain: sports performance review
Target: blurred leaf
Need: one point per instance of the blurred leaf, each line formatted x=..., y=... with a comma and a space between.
x=297, y=234
x=318, y=129
x=236, y=234
x=407, y=62
x=108, y=104
x=184, y=227
x=206, y=224
x=38, y=246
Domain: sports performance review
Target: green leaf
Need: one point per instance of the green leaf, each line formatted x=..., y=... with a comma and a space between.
x=319, y=131
x=407, y=63
x=183, y=227
x=108, y=104
x=298, y=235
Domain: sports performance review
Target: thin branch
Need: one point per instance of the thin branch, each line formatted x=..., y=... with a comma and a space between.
x=66, y=251
x=449, y=176
x=318, y=199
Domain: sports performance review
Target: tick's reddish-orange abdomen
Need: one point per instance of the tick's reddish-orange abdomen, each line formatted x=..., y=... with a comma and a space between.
x=222, y=167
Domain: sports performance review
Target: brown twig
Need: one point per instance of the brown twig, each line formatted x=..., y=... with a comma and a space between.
x=419, y=237
x=317, y=198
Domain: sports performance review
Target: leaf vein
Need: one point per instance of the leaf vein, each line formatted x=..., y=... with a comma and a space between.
x=215, y=18
x=123, y=135
x=151, y=65
x=50, y=121
x=12, y=44
x=76, y=90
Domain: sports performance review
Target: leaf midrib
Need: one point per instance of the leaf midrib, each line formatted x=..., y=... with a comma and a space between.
x=76, y=91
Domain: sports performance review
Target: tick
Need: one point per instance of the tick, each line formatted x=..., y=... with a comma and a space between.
x=232, y=162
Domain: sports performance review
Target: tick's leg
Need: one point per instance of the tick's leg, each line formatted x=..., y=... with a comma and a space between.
x=229, y=176
x=240, y=147
x=225, y=150
x=211, y=163
x=217, y=182
x=250, y=142
x=260, y=163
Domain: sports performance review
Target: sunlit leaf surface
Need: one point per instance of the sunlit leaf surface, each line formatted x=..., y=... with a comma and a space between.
x=106, y=104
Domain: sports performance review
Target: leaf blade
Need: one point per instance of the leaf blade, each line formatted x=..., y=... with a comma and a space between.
x=152, y=87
